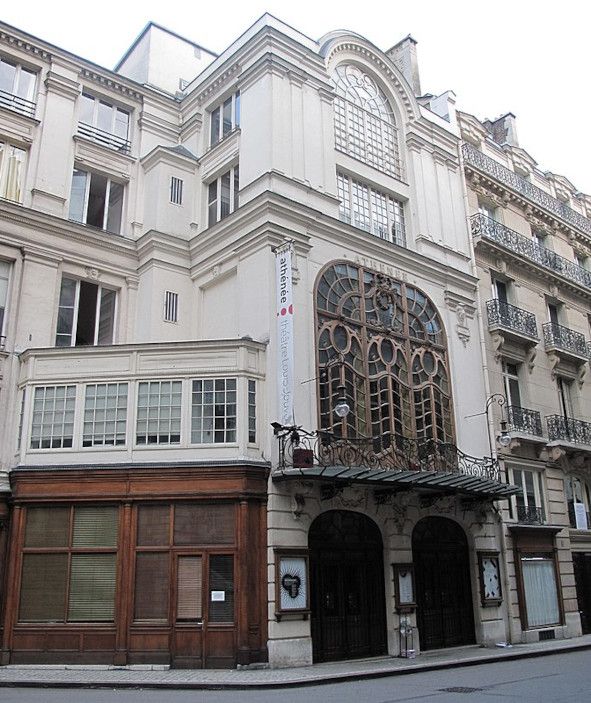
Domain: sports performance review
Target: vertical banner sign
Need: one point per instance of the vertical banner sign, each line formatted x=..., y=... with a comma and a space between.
x=284, y=333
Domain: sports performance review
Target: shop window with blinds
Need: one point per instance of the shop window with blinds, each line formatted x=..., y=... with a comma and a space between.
x=159, y=412
x=53, y=417
x=175, y=545
x=105, y=415
x=69, y=564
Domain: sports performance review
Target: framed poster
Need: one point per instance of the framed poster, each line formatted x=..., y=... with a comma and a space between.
x=404, y=586
x=291, y=583
x=489, y=574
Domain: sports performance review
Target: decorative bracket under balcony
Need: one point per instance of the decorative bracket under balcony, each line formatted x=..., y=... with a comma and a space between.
x=514, y=331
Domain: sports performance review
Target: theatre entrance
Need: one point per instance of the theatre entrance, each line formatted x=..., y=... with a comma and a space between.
x=347, y=587
x=445, y=616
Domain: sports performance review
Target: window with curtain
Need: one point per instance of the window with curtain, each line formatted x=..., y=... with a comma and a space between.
x=69, y=564
x=364, y=122
x=12, y=172
x=391, y=342
x=540, y=589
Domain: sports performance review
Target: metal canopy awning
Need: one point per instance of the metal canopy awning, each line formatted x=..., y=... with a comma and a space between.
x=421, y=481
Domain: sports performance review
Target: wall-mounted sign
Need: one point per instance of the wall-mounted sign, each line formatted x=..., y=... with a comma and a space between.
x=489, y=574
x=291, y=582
x=218, y=596
x=284, y=310
x=404, y=585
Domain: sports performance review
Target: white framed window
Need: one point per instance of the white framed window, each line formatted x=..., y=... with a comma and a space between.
x=96, y=200
x=538, y=573
x=364, y=123
x=104, y=123
x=511, y=384
x=12, y=172
x=176, y=190
x=225, y=118
x=17, y=87
x=578, y=499
x=105, y=415
x=4, y=280
x=213, y=411
x=527, y=506
x=488, y=210
x=86, y=314
x=252, y=411
x=52, y=425
x=171, y=306
x=222, y=196
x=565, y=400
x=159, y=407
x=371, y=210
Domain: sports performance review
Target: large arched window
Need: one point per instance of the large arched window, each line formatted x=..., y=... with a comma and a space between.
x=364, y=123
x=384, y=341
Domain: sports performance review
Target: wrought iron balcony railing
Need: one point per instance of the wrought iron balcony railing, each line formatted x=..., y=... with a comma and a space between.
x=18, y=104
x=301, y=449
x=515, y=319
x=524, y=420
x=529, y=249
x=565, y=339
x=111, y=141
x=475, y=158
x=530, y=515
x=569, y=429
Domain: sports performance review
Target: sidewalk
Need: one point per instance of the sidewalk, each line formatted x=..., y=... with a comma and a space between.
x=70, y=676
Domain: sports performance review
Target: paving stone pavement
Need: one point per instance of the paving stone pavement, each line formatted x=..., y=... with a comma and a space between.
x=74, y=676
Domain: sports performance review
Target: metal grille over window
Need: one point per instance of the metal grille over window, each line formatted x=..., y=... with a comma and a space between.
x=364, y=123
x=53, y=417
x=394, y=367
x=171, y=306
x=371, y=210
x=105, y=415
x=213, y=418
x=176, y=190
x=159, y=412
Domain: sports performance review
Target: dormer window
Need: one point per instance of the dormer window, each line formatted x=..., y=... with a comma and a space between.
x=104, y=123
x=17, y=87
x=364, y=123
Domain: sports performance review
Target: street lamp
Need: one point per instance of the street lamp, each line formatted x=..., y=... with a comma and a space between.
x=342, y=408
x=504, y=438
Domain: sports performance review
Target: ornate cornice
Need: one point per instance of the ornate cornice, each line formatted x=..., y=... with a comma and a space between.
x=220, y=81
x=110, y=84
x=14, y=41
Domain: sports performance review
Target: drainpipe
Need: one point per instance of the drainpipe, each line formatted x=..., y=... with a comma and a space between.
x=489, y=416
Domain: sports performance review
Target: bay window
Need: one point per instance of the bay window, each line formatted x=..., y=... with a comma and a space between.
x=105, y=415
x=104, y=123
x=53, y=417
x=159, y=412
x=96, y=200
x=213, y=418
x=86, y=314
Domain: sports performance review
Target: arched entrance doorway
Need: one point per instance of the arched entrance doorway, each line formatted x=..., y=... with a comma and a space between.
x=347, y=587
x=445, y=617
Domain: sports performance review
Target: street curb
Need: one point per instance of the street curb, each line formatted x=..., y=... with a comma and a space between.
x=312, y=680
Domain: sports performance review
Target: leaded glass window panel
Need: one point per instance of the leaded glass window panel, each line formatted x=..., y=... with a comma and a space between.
x=390, y=340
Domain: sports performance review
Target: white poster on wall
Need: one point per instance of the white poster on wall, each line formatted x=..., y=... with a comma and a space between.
x=284, y=311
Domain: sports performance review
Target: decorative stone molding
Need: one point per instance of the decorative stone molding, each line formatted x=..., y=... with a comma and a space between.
x=464, y=310
x=56, y=83
x=110, y=84
x=220, y=82
x=23, y=45
x=92, y=273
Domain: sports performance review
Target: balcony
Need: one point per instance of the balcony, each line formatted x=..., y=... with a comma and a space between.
x=530, y=515
x=526, y=248
x=565, y=343
x=524, y=421
x=476, y=159
x=519, y=324
x=389, y=462
x=568, y=429
x=107, y=139
x=17, y=104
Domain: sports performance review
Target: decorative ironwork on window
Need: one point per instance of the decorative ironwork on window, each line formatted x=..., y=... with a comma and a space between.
x=394, y=367
x=364, y=123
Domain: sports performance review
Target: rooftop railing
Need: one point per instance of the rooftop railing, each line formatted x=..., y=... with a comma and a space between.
x=474, y=157
x=488, y=228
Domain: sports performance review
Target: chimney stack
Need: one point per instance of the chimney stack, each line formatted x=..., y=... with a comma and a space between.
x=404, y=56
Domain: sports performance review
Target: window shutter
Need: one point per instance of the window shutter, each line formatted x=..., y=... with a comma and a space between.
x=43, y=588
x=47, y=527
x=221, y=578
x=151, y=586
x=189, y=588
x=95, y=527
x=92, y=587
